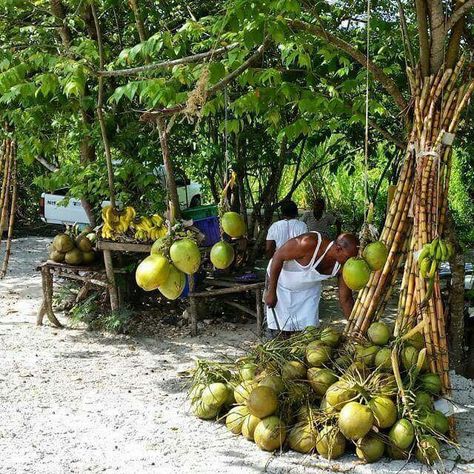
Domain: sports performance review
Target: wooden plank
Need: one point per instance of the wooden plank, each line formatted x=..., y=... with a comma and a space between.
x=85, y=279
x=123, y=246
x=241, y=307
x=77, y=268
x=227, y=291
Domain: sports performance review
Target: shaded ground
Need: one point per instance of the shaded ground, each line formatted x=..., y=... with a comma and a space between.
x=74, y=401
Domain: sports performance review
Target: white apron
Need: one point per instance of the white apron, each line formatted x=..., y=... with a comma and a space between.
x=299, y=292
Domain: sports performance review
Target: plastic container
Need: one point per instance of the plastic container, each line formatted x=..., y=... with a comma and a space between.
x=210, y=228
x=200, y=212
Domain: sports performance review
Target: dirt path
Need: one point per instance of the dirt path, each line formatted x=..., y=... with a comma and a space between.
x=72, y=401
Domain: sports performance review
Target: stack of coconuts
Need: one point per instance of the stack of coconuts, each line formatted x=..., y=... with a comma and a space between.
x=170, y=260
x=78, y=250
x=315, y=393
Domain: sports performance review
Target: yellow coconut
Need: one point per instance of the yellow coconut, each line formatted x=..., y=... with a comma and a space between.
x=185, y=255
x=384, y=411
x=270, y=434
x=355, y=420
x=370, y=448
x=203, y=411
x=174, y=285
x=243, y=390
x=222, y=255
x=275, y=382
x=63, y=243
x=235, y=419
x=73, y=257
x=293, y=369
x=262, y=402
x=330, y=443
x=249, y=425
x=302, y=438
x=321, y=379
x=152, y=272
x=233, y=224
x=215, y=395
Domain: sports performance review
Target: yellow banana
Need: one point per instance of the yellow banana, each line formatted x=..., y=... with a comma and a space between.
x=130, y=213
x=425, y=265
x=157, y=220
x=433, y=267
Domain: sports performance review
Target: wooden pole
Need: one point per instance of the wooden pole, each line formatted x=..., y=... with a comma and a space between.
x=193, y=316
x=109, y=270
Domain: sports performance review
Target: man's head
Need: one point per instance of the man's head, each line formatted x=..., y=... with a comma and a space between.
x=346, y=246
x=319, y=206
x=289, y=210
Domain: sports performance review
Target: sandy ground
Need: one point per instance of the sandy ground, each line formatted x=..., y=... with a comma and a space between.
x=73, y=401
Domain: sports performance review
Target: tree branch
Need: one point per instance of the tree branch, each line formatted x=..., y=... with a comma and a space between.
x=195, y=58
x=438, y=35
x=386, y=82
x=452, y=51
x=49, y=166
x=459, y=13
x=142, y=33
x=150, y=116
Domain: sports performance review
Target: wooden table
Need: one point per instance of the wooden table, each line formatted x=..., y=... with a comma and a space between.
x=228, y=286
x=90, y=275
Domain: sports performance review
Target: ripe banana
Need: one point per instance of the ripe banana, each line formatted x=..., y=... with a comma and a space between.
x=425, y=266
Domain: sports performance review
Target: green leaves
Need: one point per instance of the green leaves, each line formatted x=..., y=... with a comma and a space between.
x=75, y=82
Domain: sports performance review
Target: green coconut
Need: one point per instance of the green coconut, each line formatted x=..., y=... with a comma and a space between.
x=159, y=246
x=270, y=434
x=203, y=411
x=247, y=371
x=215, y=394
x=306, y=413
x=428, y=450
x=355, y=420
x=357, y=368
x=343, y=361
x=338, y=394
x=83, y=244
x=243, y=390
x=320, y=379
x=330, y=443
x=423, y=400
x=416, y=340
x=249, y=425
x=430, y=383
x=441, y=422
x=402, y=434
x=409, y=357
x=56, y=256
x=298, y=392
x=293, y=369
x=379, y=333
x=396, y=453
x=384, y=411
x=318, y=356
x=262, y=402
x=185, y=255
x=324, y=406
x=356, y=273
x=235, y=418
x=387, y=385
x=174, y=285
x=428, y=420
x=88, y=257
x=302, y=438
x=230, y=395
x=366, y=354
x=275, y=382
x=63, y=243
x=73, y=257
x=330, y=337
x=375, y=254
x=196, y=392
x=222, y=255
x=152, y=272
x=370, y=448
x=383, y=359
x=233, y=224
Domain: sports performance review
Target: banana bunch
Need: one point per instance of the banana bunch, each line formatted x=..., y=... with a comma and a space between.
x=432, y=255
x=149, y=228
x=116, y=222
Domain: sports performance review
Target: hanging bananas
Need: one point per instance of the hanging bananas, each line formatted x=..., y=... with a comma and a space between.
x=116, y=222
x=429, y=259
x=149, y=228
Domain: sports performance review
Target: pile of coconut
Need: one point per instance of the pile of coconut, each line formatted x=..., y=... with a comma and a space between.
x=318, y=393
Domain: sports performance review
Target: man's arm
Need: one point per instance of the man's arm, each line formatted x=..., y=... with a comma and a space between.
x=293, y=249
x=346, y=300
x=270, y=247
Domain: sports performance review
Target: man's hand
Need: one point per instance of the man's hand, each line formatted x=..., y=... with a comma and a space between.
x=271, y=299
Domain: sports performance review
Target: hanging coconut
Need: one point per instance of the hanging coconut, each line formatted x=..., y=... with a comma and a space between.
x=384, y=411
x=330, y=443
x=375, y=254
x=320, y=379
x=379, y=333
x=262, y=402
x=402, y=434
x=235, y=418
x=249, y=425
x=233, y=224
x=174, y=284
x=356, y=273
x=370, y=448
x=270, y=434
x=355, y=420
x=185, y=255
x=222, y=255
x=152, y=272
x=302, y=438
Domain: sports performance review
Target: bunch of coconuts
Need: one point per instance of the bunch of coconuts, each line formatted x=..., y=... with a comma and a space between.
x=326, y=396
x=73, y=251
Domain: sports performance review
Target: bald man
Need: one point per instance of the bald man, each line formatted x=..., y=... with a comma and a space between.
x=295, y=276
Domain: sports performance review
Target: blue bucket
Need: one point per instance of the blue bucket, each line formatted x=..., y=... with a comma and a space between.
x=209, y=226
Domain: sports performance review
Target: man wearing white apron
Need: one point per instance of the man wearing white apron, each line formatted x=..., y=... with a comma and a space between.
x=295, y=274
